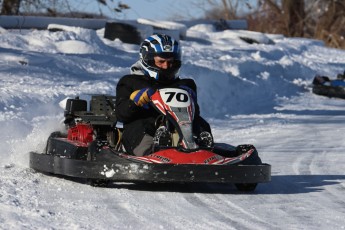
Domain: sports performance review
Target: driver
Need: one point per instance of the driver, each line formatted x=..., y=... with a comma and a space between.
x=158, y=67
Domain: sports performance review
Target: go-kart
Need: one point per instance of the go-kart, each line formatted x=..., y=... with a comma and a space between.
x=324, y=86
x=91, y=148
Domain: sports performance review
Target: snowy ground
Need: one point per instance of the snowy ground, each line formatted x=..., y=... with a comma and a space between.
x=258, y=94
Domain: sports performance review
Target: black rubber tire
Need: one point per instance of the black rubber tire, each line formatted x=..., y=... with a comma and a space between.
x=250, y=187
x=125, y=32
x=98, y=183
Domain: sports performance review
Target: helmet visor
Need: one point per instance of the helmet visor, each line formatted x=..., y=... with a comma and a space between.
x=167, y=55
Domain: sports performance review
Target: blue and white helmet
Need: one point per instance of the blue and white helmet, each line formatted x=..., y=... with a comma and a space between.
x=163, y=46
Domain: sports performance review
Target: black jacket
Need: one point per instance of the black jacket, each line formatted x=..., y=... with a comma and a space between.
x=139, y=121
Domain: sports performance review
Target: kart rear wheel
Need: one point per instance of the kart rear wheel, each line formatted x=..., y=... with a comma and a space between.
x=246, y=187
x=98, y=182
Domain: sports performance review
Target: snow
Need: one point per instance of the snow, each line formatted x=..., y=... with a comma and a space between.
x=257, y=93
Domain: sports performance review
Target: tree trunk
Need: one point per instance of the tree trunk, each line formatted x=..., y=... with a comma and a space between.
x=294, y=14
x=10, y=7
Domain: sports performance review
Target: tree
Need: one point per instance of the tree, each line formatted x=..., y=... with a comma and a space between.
x=10, y=7
x=330, y=22
x=286, y=16
x=294, y=17
x=319, y=19
x=223, y=9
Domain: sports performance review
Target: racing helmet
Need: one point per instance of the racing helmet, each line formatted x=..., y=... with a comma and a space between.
x=163, y=46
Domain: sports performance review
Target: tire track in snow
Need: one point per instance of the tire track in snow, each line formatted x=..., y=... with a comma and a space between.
x=237, y=217
x=214, y=214
x=335, y=183
x=302, y=164
x=143, y=206
x=316, y=165
x=134, y=206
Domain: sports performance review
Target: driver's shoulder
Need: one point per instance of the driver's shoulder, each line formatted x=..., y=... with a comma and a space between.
x=129, y=78
x=187, y=82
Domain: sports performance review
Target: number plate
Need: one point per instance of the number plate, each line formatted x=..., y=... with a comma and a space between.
x=175, y=97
